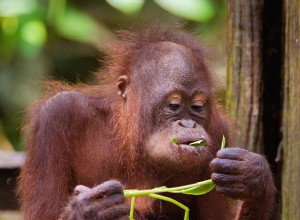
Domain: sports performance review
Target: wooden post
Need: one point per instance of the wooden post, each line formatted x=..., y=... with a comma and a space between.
x=244, y=70
x=291, y=113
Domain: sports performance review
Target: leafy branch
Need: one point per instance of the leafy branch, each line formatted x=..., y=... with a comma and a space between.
x=196, y=189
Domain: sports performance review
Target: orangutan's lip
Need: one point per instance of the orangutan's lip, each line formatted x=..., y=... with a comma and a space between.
x=186, y=145
x=189, y=149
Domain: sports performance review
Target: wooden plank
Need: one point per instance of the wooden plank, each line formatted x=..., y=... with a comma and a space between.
x=11, y=160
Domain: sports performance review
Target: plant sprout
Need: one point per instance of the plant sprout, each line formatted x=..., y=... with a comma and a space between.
x=175, y=141
x=195, y=189
x=199, y=143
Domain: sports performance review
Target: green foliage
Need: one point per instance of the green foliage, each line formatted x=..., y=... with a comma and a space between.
x=175, y=141
x=11, y=8
x=78, y=26
x=33, y=35
x=200, y=143
x=198, y=188
x=195, y=10
x=195, y=189
x=127, y=6
x=223, y=143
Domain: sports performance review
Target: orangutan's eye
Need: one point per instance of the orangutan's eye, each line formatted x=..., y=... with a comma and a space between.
x=174, y=104
x=197, y=106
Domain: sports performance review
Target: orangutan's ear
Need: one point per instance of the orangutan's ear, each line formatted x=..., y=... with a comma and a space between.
x=122, y=86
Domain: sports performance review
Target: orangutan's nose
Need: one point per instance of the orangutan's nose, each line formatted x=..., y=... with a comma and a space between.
x=187, y=123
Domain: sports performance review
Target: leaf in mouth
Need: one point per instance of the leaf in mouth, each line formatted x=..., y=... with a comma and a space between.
x=199, y=143
x=175, y=141
x=198, y=188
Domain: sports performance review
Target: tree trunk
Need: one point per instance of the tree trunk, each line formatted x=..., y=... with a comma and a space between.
x=263, y=101
x=255, y=79
x=291, y=113
x=244, y=70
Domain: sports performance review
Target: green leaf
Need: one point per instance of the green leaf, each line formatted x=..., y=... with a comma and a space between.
x=78, y=26
x=198, y=188
x=195, y=189
x=175, y=141
x=33, y=35
x=34, y=32
x=203, y=188
x=127, y=6
x=195, y=10
x=10, y=25
x=200, y=143
x=17, y=7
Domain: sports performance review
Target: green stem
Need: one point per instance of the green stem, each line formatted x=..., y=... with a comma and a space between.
x=134, y=192
x=223, y=143
x=132, y=208
x=192, y=189
x=168, y=199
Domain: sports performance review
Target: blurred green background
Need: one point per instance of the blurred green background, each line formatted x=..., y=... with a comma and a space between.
x=60, y=39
